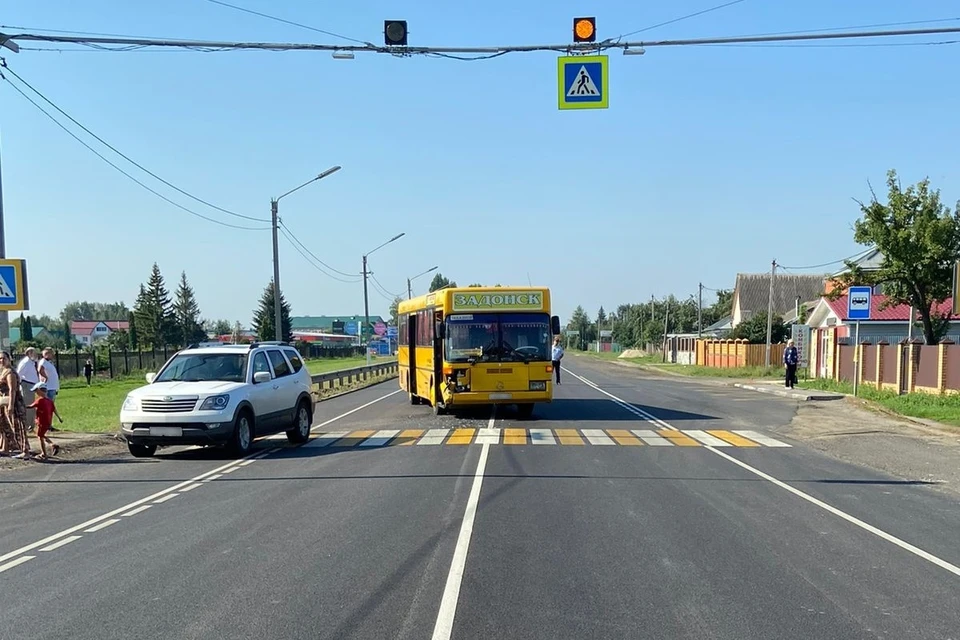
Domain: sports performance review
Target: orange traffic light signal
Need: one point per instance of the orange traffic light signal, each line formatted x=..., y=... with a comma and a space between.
x=584, y=29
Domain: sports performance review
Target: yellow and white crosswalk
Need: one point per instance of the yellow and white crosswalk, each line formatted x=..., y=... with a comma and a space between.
x=574, y=437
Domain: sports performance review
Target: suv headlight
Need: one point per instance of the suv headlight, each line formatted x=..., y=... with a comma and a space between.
x=215, y=403
x=131, y=404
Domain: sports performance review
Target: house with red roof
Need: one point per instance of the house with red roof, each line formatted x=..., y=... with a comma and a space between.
x=830, y=325
x=86, y=332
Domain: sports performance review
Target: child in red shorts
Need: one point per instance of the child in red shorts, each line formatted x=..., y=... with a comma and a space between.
x=45, y=412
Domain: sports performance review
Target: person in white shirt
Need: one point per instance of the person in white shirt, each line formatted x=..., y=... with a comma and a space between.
x=48, y=374
x=29, y=376
x=557, y=356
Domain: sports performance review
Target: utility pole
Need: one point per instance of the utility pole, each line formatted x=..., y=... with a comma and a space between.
x=700, y=310
x=277, y=316
x=666, y=327
x=409, y=289
x=4, y=317
x=773, y=275
x=366, y=312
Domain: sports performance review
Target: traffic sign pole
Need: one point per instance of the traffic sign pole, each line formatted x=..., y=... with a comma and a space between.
x=856, y=359
x=859, y=302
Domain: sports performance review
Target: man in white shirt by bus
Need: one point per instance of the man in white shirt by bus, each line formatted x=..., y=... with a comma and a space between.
x=556, y=356
x=48, y=374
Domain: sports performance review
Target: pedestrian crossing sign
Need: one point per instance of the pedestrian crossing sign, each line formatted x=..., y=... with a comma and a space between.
x=583, y=82
x=13, y=285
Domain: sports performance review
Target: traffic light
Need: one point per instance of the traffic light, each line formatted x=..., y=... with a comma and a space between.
x=395, y=33
x=584, y=29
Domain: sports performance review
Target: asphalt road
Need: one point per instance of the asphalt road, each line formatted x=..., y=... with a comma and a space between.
x=631, y=507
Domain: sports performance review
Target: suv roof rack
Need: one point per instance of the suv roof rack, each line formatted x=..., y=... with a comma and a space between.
x=260, y=343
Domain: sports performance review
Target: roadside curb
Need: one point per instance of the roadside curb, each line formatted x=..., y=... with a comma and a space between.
x=806, y=397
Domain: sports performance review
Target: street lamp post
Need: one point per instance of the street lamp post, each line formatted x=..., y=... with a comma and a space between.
x=274, y=221
x=366, y=300
x=409, y=280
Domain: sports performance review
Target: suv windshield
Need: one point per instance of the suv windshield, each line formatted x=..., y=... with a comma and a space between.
x=202, y=367
x=499, y=337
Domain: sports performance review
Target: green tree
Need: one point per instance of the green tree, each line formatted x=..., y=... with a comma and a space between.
x=90, y=311
x=264, y=317
x=67, y=335
x=601, y=316
x=580, y=322
x=476, y=284
x=440, y=282
x=26, y=328
x=153, y=312
x=919, y=239
x=186, y=313
x=754, y=330
x=133, y=338
x=221, y=327
x=118, y=340
x=394, y=306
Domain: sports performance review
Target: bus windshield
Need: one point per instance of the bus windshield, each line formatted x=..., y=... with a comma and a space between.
x=498, y=337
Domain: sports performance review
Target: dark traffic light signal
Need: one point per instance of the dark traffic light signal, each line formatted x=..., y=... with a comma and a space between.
x=395, y=33
x=584, y=29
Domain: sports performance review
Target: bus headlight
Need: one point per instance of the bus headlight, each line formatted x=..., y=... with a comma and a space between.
x=538, y=385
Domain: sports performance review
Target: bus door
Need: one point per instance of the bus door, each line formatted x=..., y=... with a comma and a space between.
x=438, y=336
x=412, y=351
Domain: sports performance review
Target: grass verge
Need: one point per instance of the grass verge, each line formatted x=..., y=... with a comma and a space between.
x=96, y=409
x=944, y=409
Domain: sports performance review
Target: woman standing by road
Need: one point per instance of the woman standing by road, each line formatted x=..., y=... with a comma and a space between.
x=12, y=409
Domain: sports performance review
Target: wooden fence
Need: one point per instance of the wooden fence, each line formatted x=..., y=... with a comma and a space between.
x=729, y=354
x=904, y=368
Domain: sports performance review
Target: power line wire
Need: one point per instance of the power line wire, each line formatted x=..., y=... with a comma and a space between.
x=686, y=17
x=126, y=157
x=354, y=277
x=297, y=245
x=836, y=46
x=395, y=295
x=112, y=164
x=285, y=21
x=879, y=25
x=383, y=294
x=826, y=264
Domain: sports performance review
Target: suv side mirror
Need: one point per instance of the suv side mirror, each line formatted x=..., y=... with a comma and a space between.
x=261, y=376
x=555, y=325
x=151, y=377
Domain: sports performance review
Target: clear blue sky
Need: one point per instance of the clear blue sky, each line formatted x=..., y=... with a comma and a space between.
x=710, y=160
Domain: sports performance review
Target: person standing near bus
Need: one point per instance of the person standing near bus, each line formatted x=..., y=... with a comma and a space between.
x=557, y=356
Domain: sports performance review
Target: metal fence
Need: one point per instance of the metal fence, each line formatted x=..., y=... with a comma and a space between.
x=336, y=379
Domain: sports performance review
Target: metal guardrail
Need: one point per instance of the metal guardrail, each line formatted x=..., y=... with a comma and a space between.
x=334, y=379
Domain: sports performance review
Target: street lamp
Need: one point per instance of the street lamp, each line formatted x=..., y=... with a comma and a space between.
x=409, y=280
x=366, y=301
x=278, y=324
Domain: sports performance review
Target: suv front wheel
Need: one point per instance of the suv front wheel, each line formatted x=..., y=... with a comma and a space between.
x=300, y=432
x=242, y=437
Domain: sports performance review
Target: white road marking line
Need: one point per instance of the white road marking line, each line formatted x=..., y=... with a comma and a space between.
x=134, y=512
x=212, y=478
x=190, y=487
x=102, y=525
x=246, y=462
x=363, y=406
x=380, y=438
x=626, y=405
x=542, y=436
x=705, y=438
x=327, y=439
x=451, y=592
x=62, y=542
x=487, y=435
x=186, y=485
x=230, y=470
x=434, y=436
x=596, y=436
x=943, y=564
x=15, y=563
x=766, y=441
x=651, y=437
x=492, y=422
x=170, y=496
x=929, y=557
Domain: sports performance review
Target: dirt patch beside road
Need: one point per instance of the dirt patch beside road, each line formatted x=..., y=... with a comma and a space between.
x=74, y=447
x=907, y=450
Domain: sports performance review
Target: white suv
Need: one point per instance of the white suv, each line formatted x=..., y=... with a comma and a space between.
x=223, y=395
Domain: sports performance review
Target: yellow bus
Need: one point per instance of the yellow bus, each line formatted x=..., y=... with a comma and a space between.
x=463, y=346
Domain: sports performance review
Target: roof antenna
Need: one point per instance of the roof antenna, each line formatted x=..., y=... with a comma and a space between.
x=530, y=284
